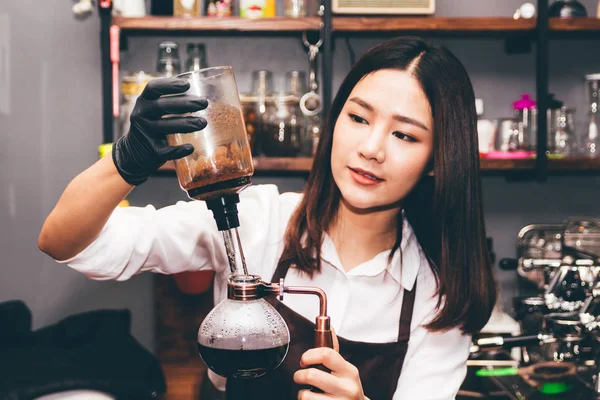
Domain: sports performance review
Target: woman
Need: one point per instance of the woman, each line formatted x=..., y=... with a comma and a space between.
x=390, y=225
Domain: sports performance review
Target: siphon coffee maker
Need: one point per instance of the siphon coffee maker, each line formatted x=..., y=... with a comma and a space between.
x=243, y=336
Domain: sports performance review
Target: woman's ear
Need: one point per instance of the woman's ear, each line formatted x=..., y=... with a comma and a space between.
x=430, y=173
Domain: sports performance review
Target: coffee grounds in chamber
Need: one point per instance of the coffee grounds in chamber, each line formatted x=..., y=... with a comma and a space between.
x=230, y=160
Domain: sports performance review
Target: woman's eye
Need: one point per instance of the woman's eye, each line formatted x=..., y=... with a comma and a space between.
x=357, y=119
x=404, y=136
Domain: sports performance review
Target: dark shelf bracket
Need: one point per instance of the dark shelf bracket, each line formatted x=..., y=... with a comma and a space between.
x=327, y=48
x=542, y=66
x=105, y=12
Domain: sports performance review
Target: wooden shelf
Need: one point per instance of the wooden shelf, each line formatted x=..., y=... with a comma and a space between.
x=437, y=24
x=290, y=164
x=567, y=164
x=340, y=24
x=232, y=24
x=502, y=164
x=574, y=164
x=303, y=164
x=580, y=25
x=356, y=24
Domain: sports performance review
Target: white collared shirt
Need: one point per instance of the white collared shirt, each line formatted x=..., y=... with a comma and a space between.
x=364, y=304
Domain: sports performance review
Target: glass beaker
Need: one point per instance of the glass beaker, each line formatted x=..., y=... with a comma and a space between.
x=168, y=63
x=221, y=163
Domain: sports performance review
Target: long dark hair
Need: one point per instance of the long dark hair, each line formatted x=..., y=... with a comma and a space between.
x=445, y=211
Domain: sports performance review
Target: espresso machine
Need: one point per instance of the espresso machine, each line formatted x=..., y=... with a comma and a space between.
x=244, y=336
x=559, y=319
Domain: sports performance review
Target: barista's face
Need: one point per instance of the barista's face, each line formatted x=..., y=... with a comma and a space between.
x=382, y=140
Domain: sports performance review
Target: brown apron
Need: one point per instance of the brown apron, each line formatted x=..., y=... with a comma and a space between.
x=379, y=364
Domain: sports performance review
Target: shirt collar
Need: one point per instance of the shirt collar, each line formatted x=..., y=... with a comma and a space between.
x=405, y=271
x=403, y=268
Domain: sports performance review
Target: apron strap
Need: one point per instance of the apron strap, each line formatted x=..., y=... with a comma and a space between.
x=406, y=314
x=407, y=302
x=280, y=271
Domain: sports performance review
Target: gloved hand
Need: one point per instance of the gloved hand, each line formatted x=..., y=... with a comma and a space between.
x=144, y=148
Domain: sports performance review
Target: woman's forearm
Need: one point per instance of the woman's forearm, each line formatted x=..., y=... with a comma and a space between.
x=82, y=210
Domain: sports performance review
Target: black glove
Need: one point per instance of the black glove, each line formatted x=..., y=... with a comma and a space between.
x=144, y=148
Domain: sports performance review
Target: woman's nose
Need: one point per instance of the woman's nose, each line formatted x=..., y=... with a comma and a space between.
x=373, y=146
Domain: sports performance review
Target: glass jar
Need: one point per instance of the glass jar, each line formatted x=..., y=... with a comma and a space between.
x=221, y=163
x=168, y=64
x=295, y=83
x=254, y=106
x=283, y=128
x=262, y=83
x=253, y=118
x=295, y=8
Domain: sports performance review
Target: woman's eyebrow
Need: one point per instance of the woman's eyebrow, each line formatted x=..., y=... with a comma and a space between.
x=397, y=117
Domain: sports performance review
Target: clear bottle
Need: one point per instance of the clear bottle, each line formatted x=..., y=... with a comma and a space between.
x=284, y=127
x=592, y=142
x=525, y=110
x=295, y=85
x=295, y=82
x=262, y=83
x=313, y=132
x=553, y=114
x=485, y=130
x=564, y=131
x=168, y=63
x=196, y=57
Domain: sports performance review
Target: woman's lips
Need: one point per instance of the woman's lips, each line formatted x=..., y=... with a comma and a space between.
x=364, y=177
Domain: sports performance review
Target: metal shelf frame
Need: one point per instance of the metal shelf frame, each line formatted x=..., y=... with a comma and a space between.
x=541, y=35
